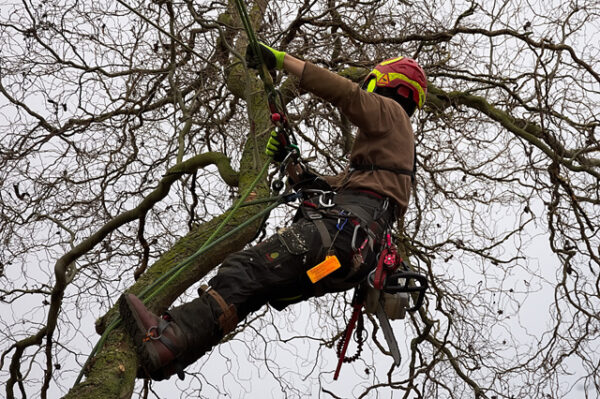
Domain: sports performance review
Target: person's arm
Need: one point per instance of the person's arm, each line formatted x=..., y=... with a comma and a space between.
x=275, y=59
x=364, y=109
x=293, y=65
x=371, y=113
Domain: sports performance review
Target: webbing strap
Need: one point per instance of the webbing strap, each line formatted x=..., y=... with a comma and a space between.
x=374, y=221
x=324, y=233
x=399, y=171
x=162, y=326
x=228, y=319
x=362, y=215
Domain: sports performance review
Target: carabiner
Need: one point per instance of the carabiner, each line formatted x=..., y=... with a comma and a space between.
x=341, y=223
x=329, y=202
x=353, y=243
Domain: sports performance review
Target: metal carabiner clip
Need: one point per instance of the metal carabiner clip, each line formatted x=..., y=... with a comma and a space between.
x=353, y=245
x=354, y=236
x=329, y=203
x=386, y=204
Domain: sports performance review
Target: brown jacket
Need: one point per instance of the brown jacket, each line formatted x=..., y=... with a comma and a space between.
x=385, y=137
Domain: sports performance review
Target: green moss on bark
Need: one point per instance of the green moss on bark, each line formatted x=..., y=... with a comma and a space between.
x=118, y=367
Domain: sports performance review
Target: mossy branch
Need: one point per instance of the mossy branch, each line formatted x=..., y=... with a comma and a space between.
x=528, y=131
x=222, y=162
x=64, y=266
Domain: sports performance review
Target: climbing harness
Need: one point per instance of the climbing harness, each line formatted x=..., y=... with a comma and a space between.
x=348, y=207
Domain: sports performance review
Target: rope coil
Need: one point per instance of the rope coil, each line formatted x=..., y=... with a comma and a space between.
x=359, y=337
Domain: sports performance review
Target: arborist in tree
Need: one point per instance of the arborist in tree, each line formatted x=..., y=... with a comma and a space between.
x=337, y=234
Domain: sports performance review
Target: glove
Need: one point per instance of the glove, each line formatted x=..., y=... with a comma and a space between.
x=271, y=57
x=279, y=146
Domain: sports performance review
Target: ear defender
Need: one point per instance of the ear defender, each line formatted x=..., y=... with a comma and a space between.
x=371, y=85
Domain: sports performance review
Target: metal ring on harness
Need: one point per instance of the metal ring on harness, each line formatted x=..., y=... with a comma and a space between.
x=153, y=333
x=329, y=196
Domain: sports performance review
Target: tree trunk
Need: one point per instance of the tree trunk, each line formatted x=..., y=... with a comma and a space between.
x=111, y=373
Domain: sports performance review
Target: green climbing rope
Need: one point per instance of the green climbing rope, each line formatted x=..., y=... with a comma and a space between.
x=264, y=74
x=154, y=288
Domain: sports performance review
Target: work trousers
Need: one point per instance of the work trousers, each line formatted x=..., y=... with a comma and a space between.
x=274, y=271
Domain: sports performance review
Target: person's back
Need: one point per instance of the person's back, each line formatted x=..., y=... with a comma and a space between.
x=382, y=157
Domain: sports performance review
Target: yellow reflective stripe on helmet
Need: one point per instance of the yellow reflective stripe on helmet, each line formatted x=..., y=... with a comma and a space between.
x=413, y=83
x=377, y=74
x=391, y=61
x=394, y=75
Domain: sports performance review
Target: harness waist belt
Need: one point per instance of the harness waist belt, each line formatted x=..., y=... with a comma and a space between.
x=373, y=212
x=382, y=208
x=372, y=168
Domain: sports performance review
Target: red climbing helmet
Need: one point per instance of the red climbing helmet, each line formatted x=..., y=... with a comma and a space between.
x=401, y=73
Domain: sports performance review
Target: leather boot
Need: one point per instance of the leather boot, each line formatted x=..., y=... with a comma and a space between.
x=203, y=321
x=158, y=341
x=166, y=345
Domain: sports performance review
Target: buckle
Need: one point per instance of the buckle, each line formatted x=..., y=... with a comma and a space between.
x=310, y=192
x=312, y=214
x=325, y=197
x=386, y=204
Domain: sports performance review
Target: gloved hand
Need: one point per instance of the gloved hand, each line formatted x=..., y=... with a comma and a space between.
x=271, y=57
x=279, y=146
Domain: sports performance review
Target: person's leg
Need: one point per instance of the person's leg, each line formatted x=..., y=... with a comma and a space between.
x=165, y=347
x=273, y=269
x=270, y=271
